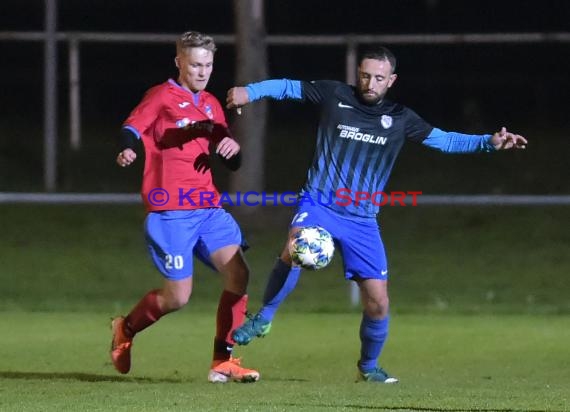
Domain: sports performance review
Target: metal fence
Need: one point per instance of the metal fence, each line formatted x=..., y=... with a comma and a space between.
x=284, y=199
x=50, y=37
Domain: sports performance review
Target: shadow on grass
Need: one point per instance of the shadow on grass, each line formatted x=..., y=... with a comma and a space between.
x=422, y=408
x=85, y=377
x=90, y=377
x=285, y=380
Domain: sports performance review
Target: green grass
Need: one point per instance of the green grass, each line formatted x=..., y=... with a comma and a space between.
x=479, y=299
x=442, y=259
x=59, y=362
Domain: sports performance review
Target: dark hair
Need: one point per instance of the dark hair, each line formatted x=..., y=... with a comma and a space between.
x=380, y=53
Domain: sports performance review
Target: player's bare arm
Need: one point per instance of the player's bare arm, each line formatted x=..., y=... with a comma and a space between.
x=227, y=147
x=237, y=97
x=126, y=157
x=504, y=140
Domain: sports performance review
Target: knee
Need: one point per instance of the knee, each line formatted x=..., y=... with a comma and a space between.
x=240, y=280
x=377, y=308
x=286, y=255
x=174, y=301
x=243, y=273
x=240, y=275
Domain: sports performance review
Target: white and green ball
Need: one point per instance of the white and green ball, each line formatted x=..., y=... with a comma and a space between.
x=312, y=248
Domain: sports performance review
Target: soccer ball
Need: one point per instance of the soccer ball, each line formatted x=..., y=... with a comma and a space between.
x=312, y=248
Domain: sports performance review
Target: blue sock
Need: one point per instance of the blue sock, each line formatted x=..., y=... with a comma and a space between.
x=282, y=281
x=373, y=334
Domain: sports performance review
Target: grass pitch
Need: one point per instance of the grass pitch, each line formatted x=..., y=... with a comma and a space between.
x=59, y=362
x=479, y=317
x=442, y=259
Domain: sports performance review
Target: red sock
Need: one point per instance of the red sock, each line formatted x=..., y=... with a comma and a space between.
x=231, y=314
x=144, y=314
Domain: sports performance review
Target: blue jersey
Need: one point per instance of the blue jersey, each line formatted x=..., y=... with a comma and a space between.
x=358, y=143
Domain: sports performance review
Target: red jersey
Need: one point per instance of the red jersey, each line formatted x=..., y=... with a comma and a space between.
x=177, y=127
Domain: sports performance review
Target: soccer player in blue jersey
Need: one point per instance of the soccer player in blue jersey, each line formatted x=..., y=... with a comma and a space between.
x=360, y=134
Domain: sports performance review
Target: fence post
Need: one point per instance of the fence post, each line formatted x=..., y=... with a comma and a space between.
x=50, y=96
x=74, y=95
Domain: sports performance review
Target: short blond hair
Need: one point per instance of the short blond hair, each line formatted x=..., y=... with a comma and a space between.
x=193, y=39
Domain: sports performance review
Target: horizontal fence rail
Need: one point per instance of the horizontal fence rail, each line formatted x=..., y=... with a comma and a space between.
x=306, y=40
x=276, y=199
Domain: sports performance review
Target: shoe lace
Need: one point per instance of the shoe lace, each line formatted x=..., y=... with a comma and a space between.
x=235, y=361
x=251, y=316
x=123, y=345
x=253, y=322
x=381, y=372
x=376, y=371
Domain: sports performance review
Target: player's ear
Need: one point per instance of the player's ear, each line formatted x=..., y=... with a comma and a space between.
x=177, y=62
x=393, y=78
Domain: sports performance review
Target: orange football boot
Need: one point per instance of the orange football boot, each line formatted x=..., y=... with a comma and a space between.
x=231, y=370
x=120, y=346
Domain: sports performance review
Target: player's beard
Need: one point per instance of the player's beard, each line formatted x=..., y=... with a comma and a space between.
x=370, y=98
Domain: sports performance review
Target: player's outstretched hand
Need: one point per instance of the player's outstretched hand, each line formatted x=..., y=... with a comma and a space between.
x=504, y=140
x=126, y=157
x=227, y=148
x=237, y=97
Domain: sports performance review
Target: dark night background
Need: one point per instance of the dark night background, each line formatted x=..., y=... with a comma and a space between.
x=469, y=88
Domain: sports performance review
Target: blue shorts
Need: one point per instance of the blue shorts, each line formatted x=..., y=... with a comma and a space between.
x=172, y=238
x=357, y=240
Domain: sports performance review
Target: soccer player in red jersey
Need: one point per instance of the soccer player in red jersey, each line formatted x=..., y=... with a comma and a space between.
x=179, y=124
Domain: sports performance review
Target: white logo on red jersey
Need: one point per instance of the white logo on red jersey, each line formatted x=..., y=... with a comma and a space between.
x=183, y=104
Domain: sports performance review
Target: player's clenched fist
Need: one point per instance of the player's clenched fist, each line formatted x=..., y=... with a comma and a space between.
x=237, y=96
x=126, y=157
